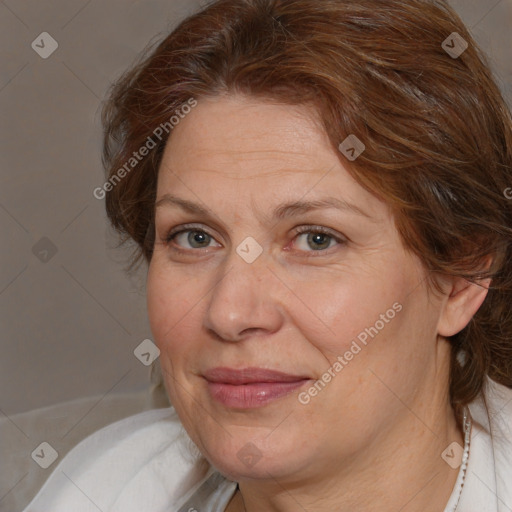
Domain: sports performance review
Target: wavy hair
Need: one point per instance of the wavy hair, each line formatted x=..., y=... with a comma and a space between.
x=437, y=132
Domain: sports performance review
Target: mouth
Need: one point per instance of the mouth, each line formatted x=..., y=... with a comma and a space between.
x=250, y=388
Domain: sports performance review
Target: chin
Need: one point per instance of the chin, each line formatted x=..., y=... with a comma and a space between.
x=258, y=457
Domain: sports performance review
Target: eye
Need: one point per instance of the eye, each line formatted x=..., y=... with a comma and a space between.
x=316, y=239
x=311, y=239
x=192, y=238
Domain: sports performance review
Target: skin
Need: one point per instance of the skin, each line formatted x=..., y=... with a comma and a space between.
x=372, y=438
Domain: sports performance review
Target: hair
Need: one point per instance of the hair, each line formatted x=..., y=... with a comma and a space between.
x=436, y=130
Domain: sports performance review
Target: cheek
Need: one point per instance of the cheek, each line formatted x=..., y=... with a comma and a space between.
x=340, y=309
x=170, y=304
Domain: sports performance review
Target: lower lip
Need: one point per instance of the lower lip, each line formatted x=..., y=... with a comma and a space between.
x=249, y=396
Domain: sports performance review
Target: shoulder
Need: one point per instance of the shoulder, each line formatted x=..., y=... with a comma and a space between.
x=495, y=415
x=493, y=411
x=489, y=470
x=146, y=460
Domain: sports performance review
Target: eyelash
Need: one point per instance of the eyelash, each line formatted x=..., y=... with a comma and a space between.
x=298, y=231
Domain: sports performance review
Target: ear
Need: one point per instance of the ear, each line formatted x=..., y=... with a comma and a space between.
x=462, y=302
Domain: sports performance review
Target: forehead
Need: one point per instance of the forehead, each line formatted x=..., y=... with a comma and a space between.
x=250, y=148
x=223, y=128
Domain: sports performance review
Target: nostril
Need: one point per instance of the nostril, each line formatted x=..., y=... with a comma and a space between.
x=250, y=330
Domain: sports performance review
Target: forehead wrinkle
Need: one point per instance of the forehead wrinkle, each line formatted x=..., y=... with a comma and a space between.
x=254, y=164
x=244, y=151
x=238, y=175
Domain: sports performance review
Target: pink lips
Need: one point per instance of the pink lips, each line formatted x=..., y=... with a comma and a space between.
x=250, y=387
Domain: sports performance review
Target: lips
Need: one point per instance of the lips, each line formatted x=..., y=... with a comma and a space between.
x=250, y=387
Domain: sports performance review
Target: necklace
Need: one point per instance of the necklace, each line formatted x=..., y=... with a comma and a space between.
x=466, y=427
x=243, y=501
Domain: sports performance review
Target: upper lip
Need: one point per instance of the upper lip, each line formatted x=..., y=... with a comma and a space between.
x=249, y=376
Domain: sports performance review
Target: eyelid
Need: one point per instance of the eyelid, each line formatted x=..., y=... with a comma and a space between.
x=321, y=229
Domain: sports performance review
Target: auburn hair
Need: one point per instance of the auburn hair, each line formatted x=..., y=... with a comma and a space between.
x=436, y=130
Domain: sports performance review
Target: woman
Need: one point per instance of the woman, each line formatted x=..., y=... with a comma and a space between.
x=317, y=189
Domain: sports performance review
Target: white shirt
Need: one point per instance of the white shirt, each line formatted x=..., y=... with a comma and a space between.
x=147, y=463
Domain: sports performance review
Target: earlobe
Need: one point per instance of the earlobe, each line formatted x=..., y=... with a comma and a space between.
x=461, y=304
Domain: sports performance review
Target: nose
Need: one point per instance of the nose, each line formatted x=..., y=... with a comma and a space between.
x=245, y=301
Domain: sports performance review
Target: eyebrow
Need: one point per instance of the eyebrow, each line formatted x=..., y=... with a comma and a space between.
x=280, y=212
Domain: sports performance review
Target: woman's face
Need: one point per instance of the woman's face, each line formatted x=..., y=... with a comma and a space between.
x=274, y=269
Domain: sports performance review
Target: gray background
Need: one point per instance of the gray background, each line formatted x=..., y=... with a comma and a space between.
x=69, y=325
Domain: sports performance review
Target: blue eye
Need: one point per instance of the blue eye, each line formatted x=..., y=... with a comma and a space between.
x=196, y=238
x=316, y=240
